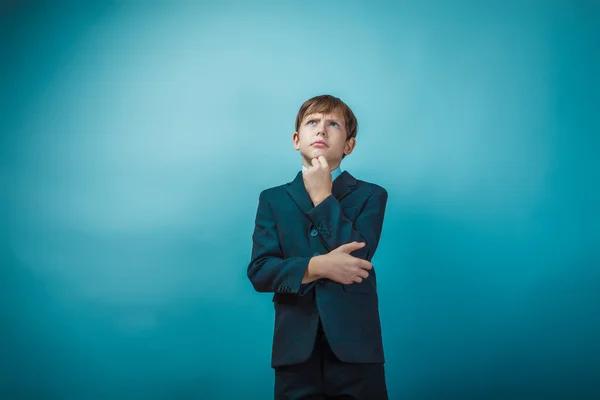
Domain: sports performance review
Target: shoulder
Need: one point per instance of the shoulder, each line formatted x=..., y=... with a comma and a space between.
x=370, y=188
x=272, y=193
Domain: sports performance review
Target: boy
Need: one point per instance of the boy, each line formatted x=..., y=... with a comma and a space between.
x=313, y=242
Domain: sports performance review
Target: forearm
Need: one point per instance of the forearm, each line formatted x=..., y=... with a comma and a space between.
x=274, y=274
x=335, y=229
x=269, y=270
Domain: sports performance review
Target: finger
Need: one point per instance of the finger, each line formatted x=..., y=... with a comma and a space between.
x=365, y=265
x=315, y=162
x=350, y=247
x=356, y=246
x=357, y=279
x=363, y=274
x=323, y=162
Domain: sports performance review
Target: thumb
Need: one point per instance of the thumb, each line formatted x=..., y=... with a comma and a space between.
x=350, y=247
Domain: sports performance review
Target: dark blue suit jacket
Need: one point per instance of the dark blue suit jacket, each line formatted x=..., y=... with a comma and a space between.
x=288, y=231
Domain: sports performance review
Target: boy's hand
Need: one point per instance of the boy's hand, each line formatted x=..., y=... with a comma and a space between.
x=317, y=180
x=339, y=266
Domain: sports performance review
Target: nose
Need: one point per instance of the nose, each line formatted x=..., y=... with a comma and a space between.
x=321, y=129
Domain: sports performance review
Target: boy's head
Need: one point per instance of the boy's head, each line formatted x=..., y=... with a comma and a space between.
x=325, y=126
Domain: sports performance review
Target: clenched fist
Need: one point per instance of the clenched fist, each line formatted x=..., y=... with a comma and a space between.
x=317, y=180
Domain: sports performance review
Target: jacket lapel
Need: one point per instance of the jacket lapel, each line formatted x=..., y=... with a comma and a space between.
x=342, y=186
x=298, y=193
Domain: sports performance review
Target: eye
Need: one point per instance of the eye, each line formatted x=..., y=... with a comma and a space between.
x=311, y=122
x=335, y=124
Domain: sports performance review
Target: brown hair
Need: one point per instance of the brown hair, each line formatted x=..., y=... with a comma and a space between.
x=325, y=104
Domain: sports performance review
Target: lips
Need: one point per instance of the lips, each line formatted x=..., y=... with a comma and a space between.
x=319, y=143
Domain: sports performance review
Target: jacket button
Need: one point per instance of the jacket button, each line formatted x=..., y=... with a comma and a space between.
x=314, y=233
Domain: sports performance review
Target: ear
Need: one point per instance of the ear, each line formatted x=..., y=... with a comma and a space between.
x=296, y=140
x=349, y=146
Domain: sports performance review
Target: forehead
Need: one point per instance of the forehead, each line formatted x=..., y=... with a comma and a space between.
x=335, y=114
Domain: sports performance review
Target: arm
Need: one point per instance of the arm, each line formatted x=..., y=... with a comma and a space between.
x=336, y=229
x=268, y=270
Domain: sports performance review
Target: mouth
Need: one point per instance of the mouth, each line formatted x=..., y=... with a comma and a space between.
x=319, y=143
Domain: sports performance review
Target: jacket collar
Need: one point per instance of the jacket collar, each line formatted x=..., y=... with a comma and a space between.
x=342, y=186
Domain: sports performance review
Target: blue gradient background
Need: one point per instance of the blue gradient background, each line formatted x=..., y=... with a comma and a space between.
x=136, y=138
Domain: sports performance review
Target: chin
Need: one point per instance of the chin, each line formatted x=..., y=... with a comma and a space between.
x=318, y=152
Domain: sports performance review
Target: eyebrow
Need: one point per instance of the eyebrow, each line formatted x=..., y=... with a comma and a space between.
x=316, y=118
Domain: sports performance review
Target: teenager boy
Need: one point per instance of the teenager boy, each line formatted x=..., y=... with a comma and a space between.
x=313, y=242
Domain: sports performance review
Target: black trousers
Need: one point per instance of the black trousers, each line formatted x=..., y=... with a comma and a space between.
x=323, y=376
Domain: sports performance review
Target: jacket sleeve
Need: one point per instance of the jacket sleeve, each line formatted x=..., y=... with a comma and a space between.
x=268, y=270
x=336, y=229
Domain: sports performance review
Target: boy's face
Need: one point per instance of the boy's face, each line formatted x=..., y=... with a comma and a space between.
x=323, y=135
